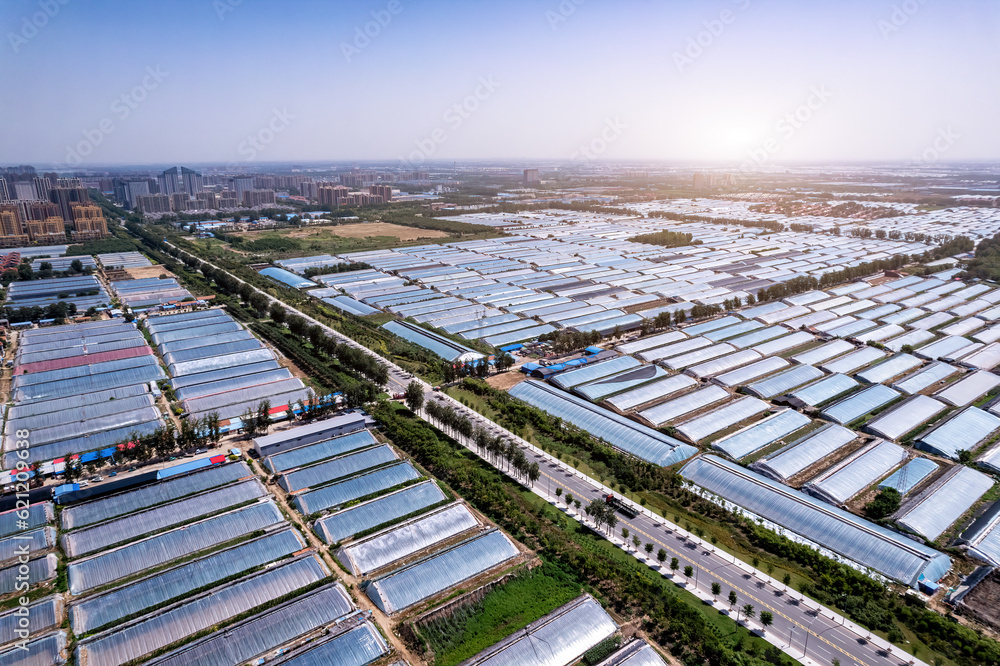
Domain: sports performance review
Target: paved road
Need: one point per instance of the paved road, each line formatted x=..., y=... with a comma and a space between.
x=804, y=630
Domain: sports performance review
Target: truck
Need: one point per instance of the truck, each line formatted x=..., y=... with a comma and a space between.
x=621, y=507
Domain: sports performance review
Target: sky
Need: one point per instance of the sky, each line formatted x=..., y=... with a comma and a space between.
x=87, y=83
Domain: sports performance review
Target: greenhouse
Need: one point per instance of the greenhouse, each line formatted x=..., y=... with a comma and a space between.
x=863, y=402
x=39, y=569
x=840, y=483
x=982, y=538
x=590, y=372
x=784, y=381
x=759, y=435
x=715, y=324
x=560, y=638
x=650, y=342
x=647, y=393
x=406, y=539
x=854, y=361
x=784, y=343
x=757, y=337
x=368, y=483
x=985, y=358
x=41, y=615
x=99, y=510
x=665, y=412
x=910, y=475
x=105, y=609
x=912, y=339
x=946, y=346
x=133, y=558
x=674, y=349
x=850, y=329
x=698, y=356
x=335, y=468
x=38, y=514
x=721, y=365
x=425, y=578
x=889, y=369
x=623, y=381
x=720, y=334
x=443, y=347
x=879, y=549
x=968, y=389
x=635, y=653
x=312, y=453
x=965, y=431
x=905, y=417
x=623, y=433
x=719, y=419
x=47, y=650
x=126, y=528
x=130, y=641
x=805, y=452
x=925, y=377
x=356, y=643
x=345, y=523
x=947, y=500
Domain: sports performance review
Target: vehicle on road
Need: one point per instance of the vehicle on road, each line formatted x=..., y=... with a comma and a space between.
x=620, y=506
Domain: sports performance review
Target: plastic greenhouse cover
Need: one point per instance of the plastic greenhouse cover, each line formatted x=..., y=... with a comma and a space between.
x=698, y=329
x=211, y=350
x=931, y=374
x=145, y=635
x=721, y=365
x=624, y=433
x=698, y=356
x=757, y=337
x=506, y=327
x=237, y=410
x=30, y=541
x=784, y=381
x=884, y=551
x=651, y=342
x=855, y=360
x=909, y=476
x=73, y=427
x=42, y=615
x=224, y=373
x=345, y=465
x=220, y=362
x=425, y=578
x=39, y=569
x=636, y=653
x=98, y=570
x=450, y=351
x=204, y=341
x=348, y=522
x=930, y=514
x=151, y=521
x=784, y=343
x=38, y=514
x=986, y=358
x=88, y=385
x=94, y=612
x=849, y=477
x=606, y=326
x=930, y=321
x=44, y=651
x=946, y=346
x=721, y=418
x=596, y=390
x=863, y=402
x=908, y=415
x=913, y=338
x=969, y=388
x=721, y=334
x=851, y=329
x=473, y=322
x=248, y=394
x=262, y=633
x=745, y=374
x=82, y=444
x=78, y=372
x=701, y=398
x=356, y=646
x=590, y=372
x=206, y=331
x=402, y=541
x=805, y=452
x=759, y=435
x=559, y=638
x=166, y=324
x=963, y=432
x=311, y=453
x=673, y=349
x=99, y=510
x=649, y=392
x=233, y=384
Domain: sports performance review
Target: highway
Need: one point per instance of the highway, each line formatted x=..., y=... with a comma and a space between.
x=804, y=630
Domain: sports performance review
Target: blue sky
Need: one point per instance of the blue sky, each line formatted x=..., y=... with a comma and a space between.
x=259, y=80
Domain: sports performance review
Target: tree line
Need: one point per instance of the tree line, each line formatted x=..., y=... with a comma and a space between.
x=665, y=238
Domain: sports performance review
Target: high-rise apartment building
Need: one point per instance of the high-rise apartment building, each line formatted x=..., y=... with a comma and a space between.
x=88, y=223
x=180, y=202
x=50, y=230
x=4, y=191
x=192, y=181
x=241, y=184
x=38, y=210
x=531, y=177
x=153, y=203
x=207, y=200
x=332, y=196
x=384, y=191
x=227, y=199
x=169, y=181
x=128, y=190
x=254, y=198
x=65, y=197
x=12, y=232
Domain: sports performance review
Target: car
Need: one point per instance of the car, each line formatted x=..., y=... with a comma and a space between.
x=113, y=474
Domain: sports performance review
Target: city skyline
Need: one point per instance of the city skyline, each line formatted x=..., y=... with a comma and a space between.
x=744, y=82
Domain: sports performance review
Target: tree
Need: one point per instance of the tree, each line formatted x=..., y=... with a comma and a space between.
x=558, y=492
x=786, y=579
x=748, y=612
x=534, y=473
x=674, y=564
x=76, y=265
x=688, y=571
x=732, y=598
x=624, y=534
x=414, y=396
x=766, y=618
x=635, y=542
x=504, y=362
x=716, y=588
x=24, y=272
x=661, y=556
x=965, y=456
x=649, y=548
x=885, y=504
x=73, y=469
x=277, y=313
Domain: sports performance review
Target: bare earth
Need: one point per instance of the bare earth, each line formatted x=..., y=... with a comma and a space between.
x=505, y=380
x=148, y=272
x=383, y=229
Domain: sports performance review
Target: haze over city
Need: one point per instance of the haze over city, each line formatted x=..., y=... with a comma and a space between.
x=702, y=81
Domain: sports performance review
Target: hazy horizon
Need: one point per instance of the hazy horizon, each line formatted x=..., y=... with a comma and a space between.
x=241, y=82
